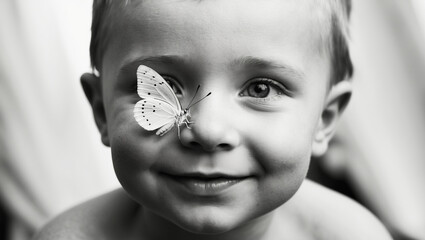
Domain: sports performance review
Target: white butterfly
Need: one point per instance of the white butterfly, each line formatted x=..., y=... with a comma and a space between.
x=159, y=107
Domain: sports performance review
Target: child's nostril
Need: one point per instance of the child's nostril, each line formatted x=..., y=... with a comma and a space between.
x=224, y=146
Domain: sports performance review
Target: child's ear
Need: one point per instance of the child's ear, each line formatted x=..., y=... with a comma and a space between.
x=93, y=89
x=338, y=98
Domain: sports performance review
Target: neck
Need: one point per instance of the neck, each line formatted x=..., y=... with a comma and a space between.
x=156, y=227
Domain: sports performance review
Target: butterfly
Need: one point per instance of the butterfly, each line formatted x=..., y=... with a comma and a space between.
x=159, y=107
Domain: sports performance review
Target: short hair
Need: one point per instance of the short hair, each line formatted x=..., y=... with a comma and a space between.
x=335, y=37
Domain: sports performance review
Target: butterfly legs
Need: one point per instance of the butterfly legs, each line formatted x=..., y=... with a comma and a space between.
x=187, y=124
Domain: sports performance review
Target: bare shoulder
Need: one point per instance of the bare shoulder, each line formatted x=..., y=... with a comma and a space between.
x=331, y=215
x=94, y=219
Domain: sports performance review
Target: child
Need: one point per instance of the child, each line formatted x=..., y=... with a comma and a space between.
x=278, y=75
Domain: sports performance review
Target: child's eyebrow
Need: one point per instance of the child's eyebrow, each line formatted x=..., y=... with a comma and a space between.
x=167, y=59
x=260, y=63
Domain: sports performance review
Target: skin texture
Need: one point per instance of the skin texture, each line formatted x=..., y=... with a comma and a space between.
x=264, y=140
x=269, y=111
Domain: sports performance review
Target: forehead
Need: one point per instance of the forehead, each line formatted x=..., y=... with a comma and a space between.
x=253, y=26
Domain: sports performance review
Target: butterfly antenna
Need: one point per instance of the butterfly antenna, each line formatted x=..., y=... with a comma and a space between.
x=194, y=95
x=198, y=100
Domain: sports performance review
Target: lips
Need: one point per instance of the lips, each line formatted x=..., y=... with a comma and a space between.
x=204, y=184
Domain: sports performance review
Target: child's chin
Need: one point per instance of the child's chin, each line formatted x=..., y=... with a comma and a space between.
x=207, y=226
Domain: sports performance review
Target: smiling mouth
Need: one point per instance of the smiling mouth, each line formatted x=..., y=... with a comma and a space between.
x=204, y=185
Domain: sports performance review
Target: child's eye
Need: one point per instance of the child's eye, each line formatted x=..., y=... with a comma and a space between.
x=263, y=88
x=174, y=85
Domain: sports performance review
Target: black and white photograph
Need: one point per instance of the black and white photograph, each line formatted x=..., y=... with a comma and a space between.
x=212, y=120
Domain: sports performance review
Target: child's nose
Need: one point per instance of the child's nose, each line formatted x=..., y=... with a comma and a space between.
x=213, y=128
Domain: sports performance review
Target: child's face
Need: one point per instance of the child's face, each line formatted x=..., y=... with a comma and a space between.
x=263, y=120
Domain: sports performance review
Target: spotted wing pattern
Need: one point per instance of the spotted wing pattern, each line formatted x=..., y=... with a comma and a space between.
x=151, y=85
x=159, y=106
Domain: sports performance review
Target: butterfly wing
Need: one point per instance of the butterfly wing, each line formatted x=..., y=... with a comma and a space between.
x=151, y=85
x=152, y=114
x=159, y=107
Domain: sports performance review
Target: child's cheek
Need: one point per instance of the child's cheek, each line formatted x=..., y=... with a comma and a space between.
x=129, y=150
x=284, y=150
x=130, y=142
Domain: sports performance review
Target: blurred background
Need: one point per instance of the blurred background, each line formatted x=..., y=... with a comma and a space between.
x=51, y=157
